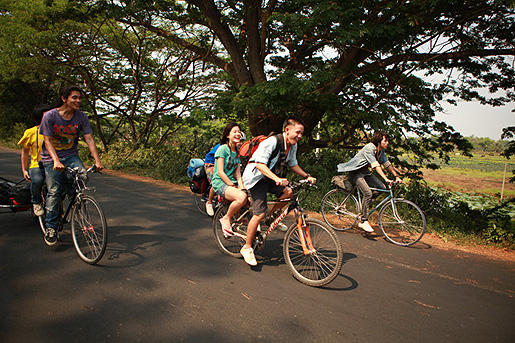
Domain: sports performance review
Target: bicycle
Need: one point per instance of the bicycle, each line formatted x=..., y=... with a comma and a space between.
x=311, y=250
x=201, y=199
x=401, y=221
x=88, y=223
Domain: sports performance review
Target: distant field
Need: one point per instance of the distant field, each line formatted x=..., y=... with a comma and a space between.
x=478, y=174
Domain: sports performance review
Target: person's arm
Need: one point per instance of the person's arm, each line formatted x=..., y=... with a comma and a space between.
x=93, y=149
x=220, y=167
x=51, y=151
x=380, y=171
x=263, y=168
x=299, y=171
x=392, y=171
x=25, y=153
x=237, y=175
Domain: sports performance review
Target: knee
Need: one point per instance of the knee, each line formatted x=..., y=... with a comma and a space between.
x=287, y=193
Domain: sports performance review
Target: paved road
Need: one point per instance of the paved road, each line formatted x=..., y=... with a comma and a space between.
x=163, y=279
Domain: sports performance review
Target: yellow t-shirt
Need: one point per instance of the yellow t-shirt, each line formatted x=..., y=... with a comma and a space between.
x=33, y=140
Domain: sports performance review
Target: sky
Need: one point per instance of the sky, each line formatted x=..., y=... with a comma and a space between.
x=472, y=118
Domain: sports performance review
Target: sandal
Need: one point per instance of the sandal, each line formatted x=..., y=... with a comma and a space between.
x=226, y=230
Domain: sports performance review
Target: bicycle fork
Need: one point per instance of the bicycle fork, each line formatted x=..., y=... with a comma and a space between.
x=304, y=235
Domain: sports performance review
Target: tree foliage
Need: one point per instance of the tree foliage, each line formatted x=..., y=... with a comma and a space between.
x=346, y=67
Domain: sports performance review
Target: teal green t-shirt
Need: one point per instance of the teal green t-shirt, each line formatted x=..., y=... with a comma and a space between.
x=231, y=160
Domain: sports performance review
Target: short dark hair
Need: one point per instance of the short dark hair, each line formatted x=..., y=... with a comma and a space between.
x=291, y=121
x=38, y=111
x=65, y=93
x=378, y=137
x=226, y=132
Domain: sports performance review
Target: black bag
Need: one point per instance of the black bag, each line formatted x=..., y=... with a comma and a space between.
x=199, y=186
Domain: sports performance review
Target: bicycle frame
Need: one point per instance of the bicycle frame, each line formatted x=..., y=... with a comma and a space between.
x=378, y=206
x=304, y=235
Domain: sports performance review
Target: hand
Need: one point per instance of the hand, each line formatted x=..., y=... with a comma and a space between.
x=312, y=180
x=58, y=166
x=99, y=166
x=26, y=175
x=398, y=179
x=282, y=182
x=388, y=181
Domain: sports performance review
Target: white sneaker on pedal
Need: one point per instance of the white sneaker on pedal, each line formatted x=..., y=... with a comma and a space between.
x=209, y=209
x=366, y=226
x=38, y=209
x=248, y=256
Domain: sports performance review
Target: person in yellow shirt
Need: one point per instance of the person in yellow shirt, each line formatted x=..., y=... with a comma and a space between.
x=31, y=143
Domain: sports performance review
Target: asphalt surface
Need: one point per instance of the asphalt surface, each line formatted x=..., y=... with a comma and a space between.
x=163, y=279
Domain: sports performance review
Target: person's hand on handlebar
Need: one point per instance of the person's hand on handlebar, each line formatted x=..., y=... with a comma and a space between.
x=398, y=179
x=282, y=182
x=58, y=166
x=312, y=180
x=99, y=166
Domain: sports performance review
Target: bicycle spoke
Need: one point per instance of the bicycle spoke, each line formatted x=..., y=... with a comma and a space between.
x=402, y=222
x=339, y=209
x=318, y=267
x=89, y=230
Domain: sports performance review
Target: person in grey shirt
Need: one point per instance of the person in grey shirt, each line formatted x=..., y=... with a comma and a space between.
x=371, y=156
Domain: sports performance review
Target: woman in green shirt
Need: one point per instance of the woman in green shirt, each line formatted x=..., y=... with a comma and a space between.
x=227, y=175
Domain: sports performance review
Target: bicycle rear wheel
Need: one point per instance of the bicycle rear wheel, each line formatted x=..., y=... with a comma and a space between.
x=200, y=200
x=319, y=266
x=89, y=230
x=402, y=222
x=231, y=246
x=340, y=209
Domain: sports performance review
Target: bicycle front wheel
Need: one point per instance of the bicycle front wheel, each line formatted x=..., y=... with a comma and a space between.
x=232, y=245
x=89, y=230
x=340, y=209
x=402, y=222
x=321, y=262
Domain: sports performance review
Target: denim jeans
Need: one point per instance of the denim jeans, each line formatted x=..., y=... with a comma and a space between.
x=54, y=181
x=364, y=182
x=37, y=179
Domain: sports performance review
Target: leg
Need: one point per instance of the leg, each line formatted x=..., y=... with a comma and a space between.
x=374, y=182
x=54, y=181
x=238, y=199
x=37, y=176
x=359, y=180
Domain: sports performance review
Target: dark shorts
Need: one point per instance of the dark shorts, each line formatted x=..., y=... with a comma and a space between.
x=258, y=194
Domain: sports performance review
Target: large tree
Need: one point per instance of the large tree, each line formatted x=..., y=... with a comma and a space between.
x=141, y=84
x=359, y=64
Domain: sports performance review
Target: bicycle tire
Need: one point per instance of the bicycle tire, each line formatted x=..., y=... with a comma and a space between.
x=340, y=209
x=200, y=200
x=89, y=229
x=230, y=246
x=402, y=222
x=321, y=267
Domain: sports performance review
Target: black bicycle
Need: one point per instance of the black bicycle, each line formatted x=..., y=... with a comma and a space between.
x=88, y=223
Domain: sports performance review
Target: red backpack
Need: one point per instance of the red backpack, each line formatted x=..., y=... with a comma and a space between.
x=249, y=147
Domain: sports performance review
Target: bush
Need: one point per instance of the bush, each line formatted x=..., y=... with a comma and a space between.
x=451, y=213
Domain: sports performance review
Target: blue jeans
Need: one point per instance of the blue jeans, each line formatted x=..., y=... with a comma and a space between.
x=37, y=179
x=364, y=182
x=54, y=181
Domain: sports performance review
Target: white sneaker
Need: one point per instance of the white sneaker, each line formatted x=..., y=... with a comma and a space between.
x=209, y=209
x=38, y=209
x=248, y=256
x=366, y=226
x=282, y=227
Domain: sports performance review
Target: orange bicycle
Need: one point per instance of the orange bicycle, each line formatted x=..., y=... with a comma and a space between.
x=311, y=249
